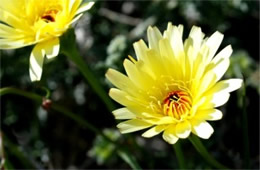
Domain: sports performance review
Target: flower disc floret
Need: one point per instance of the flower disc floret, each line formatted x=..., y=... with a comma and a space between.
x=177, y=104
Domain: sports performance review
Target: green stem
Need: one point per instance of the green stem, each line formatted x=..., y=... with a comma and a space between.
x=70, y=50
x=245, y=129
x=120, y=149
x=11, y=90
x=179, y=155
x=54, y=106
x=204, y=153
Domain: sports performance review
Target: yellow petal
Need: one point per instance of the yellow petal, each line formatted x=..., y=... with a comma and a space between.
x=133, y=125
x=205, y=83
x=132, y=59
x=214, y=74
x=209, y=114
x=73, y=6
x=119, y=96
x=201, y=128
x=214, y=100
x=154, y=64
x=123, y=113
x=9, y=32
x=175, y=39
x=197, y=74
x=154, y=131
x=169, y=135
x=120, y=81
x=137, y=75
x=8, y=5
x=51, y=48
x=140, y=50
x=220, y=98
x=219, y=93
x=192, y=47
x=221, y=68
x=154, y=35
x=85, y=7
x=131, y=71
x=75, y=19
x=11, y=44
x=9, y=18
x=168, y=32
x=36, y=62
x=165, y=49
x=223, y=54
x=197, y=37
x=213, y=43
x=226, y=86
x=183, y=129
x=149, y=114
x=190, y=51
x=180, y=29
x=124, y=98
x=170, y=61
x=165, y=120
x=219, y=64
x=176, y=42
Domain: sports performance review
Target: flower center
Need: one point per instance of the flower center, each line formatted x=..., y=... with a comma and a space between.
x=177, y=104
x=49, y=16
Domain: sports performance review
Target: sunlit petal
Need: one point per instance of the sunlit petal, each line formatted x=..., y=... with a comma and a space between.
x=170, y=136
x=202, y=129
x=154, y=131
x=123, y=113
x=36, y=63
x=52, y=48
x=132, y=125
x=183, y=129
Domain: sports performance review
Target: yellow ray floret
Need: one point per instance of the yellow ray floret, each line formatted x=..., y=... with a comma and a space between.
x=173, y=87
x=40, y=22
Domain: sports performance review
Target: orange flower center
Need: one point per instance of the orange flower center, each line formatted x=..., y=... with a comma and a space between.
x=49, y=16
x=177, y=104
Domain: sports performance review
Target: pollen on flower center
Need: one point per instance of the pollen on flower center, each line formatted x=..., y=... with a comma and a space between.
x=177, y=104
x=49, y=16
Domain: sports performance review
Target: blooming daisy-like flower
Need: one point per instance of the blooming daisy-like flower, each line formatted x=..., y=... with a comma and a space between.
x=40, y=22
x=173, y=87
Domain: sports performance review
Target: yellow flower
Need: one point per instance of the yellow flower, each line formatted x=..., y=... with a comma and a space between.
x=173, y=87
x=40, y=22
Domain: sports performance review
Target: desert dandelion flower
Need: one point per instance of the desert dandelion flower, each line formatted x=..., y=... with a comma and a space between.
x=173, y=87
x=40, y=22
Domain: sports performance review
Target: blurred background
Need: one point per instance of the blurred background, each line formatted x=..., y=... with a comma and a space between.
x=36, y=138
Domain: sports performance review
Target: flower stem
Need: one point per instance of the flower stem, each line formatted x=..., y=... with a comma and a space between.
x=54, y=106
x=121, y=150
x=204, y=153
x=70, y=50
x=179, y=155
